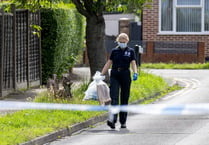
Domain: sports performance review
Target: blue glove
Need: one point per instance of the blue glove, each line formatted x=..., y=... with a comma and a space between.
x=135, y=76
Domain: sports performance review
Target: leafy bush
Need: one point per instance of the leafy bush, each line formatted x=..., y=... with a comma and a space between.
x=62, y=37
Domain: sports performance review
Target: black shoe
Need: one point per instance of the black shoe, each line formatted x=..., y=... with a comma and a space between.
x=123, y=125
x=111, y=124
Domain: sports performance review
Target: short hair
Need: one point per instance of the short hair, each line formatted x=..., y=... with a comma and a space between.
x=122, y=35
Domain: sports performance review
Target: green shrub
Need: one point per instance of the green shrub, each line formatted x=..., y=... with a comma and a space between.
x=62, y=36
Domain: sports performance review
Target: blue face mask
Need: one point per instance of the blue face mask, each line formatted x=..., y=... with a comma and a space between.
x=122, y=45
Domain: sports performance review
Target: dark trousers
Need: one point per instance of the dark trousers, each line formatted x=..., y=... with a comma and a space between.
x=120, y=82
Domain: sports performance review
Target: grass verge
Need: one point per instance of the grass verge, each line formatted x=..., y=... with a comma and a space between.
x=176, y=66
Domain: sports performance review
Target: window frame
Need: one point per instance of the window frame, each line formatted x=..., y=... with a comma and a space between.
x=175, y=6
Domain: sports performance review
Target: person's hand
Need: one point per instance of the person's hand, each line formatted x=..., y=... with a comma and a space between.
x=135, y=76
x=103, y=77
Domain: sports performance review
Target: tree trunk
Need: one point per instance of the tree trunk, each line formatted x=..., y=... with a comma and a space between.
x=95, y=42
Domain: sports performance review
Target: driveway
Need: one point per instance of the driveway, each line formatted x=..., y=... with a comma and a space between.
x=145, y=129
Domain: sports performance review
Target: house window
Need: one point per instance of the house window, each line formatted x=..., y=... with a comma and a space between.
x=188, y=2
x=167, y=15
x=184, y=16
x=206, y=15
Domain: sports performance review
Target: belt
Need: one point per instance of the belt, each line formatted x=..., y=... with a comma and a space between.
x=120, y=69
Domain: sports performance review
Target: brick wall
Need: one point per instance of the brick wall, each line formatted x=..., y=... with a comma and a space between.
x=151, y=28
x=191, y=55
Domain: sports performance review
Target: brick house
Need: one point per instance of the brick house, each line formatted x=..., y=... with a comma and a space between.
x=182, y=24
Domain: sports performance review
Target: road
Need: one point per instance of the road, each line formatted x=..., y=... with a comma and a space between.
x=144, y=129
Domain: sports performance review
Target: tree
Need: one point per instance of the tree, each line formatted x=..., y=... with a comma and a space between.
x=95, y=25
x=34, y=4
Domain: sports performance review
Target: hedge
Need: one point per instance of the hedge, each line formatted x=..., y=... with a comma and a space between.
x=62, y=39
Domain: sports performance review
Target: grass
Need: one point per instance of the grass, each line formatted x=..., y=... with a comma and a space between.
x=28, y=124
x=25, y=125
x=150, y=86
x=176, y=66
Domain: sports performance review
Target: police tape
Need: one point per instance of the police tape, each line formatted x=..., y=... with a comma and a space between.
x=156, y=109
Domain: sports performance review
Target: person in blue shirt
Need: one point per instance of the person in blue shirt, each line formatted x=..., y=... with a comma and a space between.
x=120, y=77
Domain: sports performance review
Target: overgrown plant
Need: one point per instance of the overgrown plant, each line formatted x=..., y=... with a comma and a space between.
x=67, y=64
x=34, y=4
x=36, y=29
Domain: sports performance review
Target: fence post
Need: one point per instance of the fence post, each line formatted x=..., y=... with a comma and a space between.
x=13, y=9
x=2, y=52
x=40, y=58
x=27, y=49
x=136, y=48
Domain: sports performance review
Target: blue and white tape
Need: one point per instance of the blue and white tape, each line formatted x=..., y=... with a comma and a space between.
x=157, y=109
x=13, y=105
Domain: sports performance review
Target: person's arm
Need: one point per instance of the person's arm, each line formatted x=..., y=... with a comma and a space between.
x=134, y=67
x=106, y=66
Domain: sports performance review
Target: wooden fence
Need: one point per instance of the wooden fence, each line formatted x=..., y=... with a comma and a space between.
x=20, y=50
